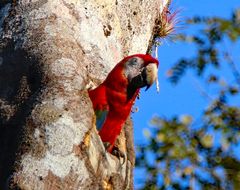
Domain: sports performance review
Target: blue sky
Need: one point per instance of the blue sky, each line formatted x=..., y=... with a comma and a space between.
x=183, y=98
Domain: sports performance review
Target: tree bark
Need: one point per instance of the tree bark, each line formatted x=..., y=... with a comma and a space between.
x=51, y=52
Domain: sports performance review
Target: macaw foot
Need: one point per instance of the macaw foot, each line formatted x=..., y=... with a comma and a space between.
x=118, y=153
x=114, y=150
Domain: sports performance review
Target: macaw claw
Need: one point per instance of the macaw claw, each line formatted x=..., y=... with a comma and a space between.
x=114, y=150
x=118, y=153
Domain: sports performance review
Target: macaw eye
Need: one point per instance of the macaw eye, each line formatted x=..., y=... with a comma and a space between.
x=134, y=61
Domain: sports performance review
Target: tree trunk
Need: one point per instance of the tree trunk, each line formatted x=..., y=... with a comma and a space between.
x=51, y=52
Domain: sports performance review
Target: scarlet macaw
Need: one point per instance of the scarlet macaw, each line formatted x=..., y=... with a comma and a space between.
x=113, y=99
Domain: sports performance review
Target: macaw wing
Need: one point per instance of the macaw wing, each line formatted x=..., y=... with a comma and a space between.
x=100, y=105
x=101, y=116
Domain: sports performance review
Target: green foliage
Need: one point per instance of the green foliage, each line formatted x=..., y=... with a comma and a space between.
x=186, y=153
x=207, y=42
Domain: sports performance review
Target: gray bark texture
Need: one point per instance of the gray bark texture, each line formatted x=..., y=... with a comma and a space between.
x=51, y=52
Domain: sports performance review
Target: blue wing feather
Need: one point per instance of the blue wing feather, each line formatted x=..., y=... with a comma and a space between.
x=101, y=116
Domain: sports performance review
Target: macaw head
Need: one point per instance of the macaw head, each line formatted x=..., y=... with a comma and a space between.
x=141, y=71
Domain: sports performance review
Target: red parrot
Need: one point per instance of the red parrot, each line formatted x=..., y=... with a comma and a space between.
x=113, y=99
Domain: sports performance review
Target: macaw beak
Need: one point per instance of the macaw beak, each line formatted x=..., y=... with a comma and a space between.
x=146, y=77
x=151, y=74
